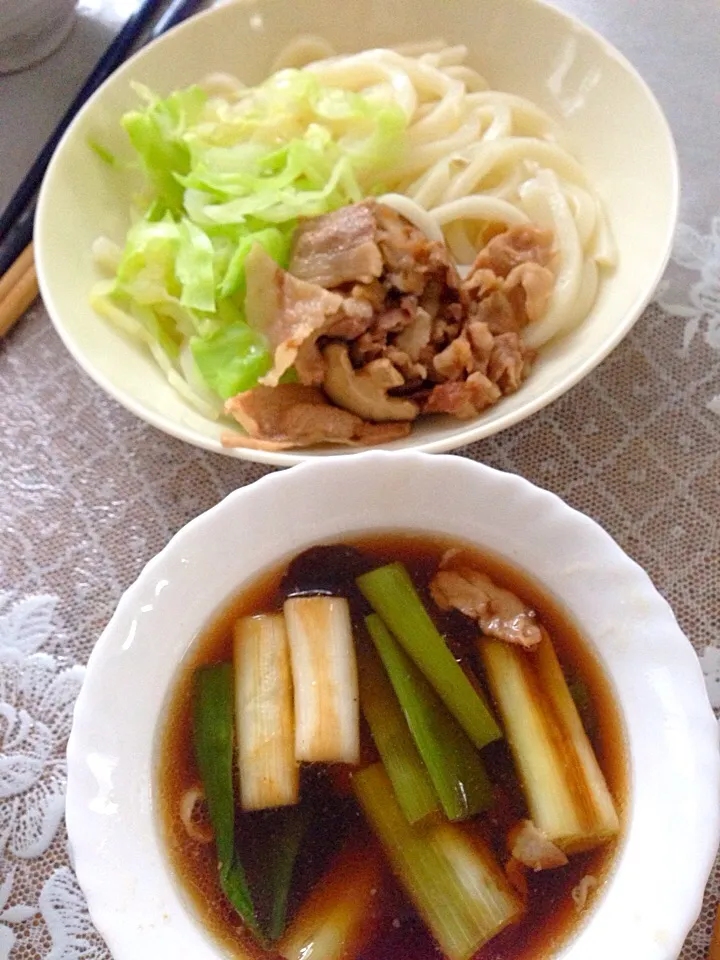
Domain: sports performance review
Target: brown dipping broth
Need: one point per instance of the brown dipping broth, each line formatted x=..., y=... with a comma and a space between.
x=551, y=917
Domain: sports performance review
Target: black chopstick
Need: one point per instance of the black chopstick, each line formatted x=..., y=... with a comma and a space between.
x=178, y=11
x=14, y=217
x=18, y=238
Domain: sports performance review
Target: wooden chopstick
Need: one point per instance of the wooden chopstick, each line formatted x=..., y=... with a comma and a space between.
x=18, y=289
x=18, y=283
x=715, y=942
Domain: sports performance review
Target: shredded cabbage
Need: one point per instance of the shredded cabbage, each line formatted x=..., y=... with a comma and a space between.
x=220, y=176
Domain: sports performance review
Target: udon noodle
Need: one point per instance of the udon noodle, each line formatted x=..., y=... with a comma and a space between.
x=476, y=158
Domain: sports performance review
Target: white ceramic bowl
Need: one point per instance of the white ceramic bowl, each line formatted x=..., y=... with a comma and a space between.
x=613, y=121
x=673, y=812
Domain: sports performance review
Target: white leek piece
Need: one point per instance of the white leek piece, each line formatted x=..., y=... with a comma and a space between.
x=566, y=792
x=445, y=869
x=338, y=919
x=324, y=670
x=264, y=713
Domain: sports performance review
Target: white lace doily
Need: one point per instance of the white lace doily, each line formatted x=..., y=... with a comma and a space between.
x=37, y=695
x=698, y=302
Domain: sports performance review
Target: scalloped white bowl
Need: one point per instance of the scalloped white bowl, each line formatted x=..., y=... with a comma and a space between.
x=611, y=118
x=654, y=893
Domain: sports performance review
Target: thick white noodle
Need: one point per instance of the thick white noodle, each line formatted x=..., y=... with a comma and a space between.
x=501, y=126
x=413, y=212
x=222, y=86
x=508, y=187
x=584, y=210
x=429, y=188
x=546, y=204
x=304, y=49
x=473, y=81
x=441, y=118
x=446, y=57
x=511, y=150
x=358, y=72
x=586, y=294
x=490, y=209
x=528, y=119
x=413, y=49
x=605, y=247
x=421, y=157
x=461, y=246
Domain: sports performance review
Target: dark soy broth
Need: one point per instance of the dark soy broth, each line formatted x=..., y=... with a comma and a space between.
x=551, y=916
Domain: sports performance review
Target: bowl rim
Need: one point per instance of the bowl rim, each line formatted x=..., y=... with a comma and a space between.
x=672, y=733
x=463, y=434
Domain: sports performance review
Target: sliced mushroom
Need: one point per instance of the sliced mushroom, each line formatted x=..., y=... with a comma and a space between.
x=364, y=391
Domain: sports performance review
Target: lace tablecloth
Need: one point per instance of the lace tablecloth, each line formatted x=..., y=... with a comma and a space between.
x=89, y=493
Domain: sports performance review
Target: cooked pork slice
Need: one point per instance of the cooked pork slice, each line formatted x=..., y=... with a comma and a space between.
x=456, y=360
x=481, y=281
x=581, y=892
x=410, y=369
x=349, y=326
x=371, y=345
x=416, y=335
x=288, y=311
x=262, y=410
x=463, y=399
x=295, y=415
x=404, y=250
x=531, y=847
x=410, y=258
x=370, y=434
x=520, y=244
x=481, y=341
x=499, y=612
x=528, y=287
x=337, y=247
x=497, y=312
x=509, y=362
x=309, y=364
x=509, y=284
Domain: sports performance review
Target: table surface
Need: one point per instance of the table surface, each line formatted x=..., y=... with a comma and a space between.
x=88, y=493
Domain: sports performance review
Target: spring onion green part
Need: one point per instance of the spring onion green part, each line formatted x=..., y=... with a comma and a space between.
x=324, y=670
x=447, y=872
x=338, y=919
x=409, y=776
x=213, y=745
x=283, y=835
x=565, y=789
x=452, y=761
x=264, y=718
x=393, y=596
